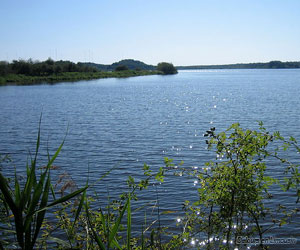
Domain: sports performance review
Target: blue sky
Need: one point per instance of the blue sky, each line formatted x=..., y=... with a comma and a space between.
x=189, y=32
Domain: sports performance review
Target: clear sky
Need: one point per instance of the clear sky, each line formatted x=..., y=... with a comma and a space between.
x=184, y=32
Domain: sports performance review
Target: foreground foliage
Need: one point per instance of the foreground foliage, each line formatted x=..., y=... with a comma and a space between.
x=28, y=206
x=235, y=189
x=234, y=194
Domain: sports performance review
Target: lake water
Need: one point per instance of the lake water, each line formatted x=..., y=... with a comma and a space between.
x=124, y=123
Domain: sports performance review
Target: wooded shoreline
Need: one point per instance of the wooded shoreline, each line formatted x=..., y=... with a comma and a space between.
x=21, y=79
x=29, y=72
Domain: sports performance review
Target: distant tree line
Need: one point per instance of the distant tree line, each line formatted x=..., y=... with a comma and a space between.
x=45, y=68
x=51, y=67
x=268, y=65
x=121, y=68
x=129, y=63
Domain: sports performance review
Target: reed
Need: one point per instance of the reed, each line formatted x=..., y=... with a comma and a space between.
x=28, y=205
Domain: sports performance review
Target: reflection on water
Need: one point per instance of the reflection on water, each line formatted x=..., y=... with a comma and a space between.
x=124, y=123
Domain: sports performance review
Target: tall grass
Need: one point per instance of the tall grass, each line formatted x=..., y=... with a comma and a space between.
x=28, y=205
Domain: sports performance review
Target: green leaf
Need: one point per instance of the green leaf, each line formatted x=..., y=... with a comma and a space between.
x=17, y=191
x=116, y=244
x=83, y=197
x=63, y=199
x=128, y=223
x=41, y=215
x=7, y=195
x=96, y=236
x=117, y=224
x=142, y=239
x=102, y=218
x=35, y=200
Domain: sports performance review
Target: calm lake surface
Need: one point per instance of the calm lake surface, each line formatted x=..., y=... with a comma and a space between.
x=124, y=123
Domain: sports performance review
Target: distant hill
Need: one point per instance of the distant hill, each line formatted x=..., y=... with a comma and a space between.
x=268, y=65
x=129, y=63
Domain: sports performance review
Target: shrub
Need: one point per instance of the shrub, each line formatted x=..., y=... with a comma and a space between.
x=166, y=68
x=233, y=190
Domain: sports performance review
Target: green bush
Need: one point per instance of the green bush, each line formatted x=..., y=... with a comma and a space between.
x=233, y=190
x=166, y=68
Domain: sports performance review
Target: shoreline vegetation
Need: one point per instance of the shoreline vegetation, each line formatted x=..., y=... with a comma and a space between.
x=28, y=72
x=20, y=79
x=259, y=65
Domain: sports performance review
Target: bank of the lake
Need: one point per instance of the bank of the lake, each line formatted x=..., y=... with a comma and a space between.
x=20, y=79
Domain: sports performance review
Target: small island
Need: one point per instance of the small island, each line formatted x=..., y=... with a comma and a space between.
x=28, y=72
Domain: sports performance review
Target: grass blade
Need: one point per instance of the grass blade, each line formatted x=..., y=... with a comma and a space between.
x=56, y=154
x=116, y=226
x=116, y=244
x=16, y=212
x=7, y=195
x=33, y=162
x=41, y=215
x=103, y=222
x=83, y=197
x=38, y=140
x=142, y=239
x=30, y=182
x=17, y=191
x=33, y=203
x=52, y=192
x=96, y=236
x=63, y=199
x=128, y=224
x=1, y=246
